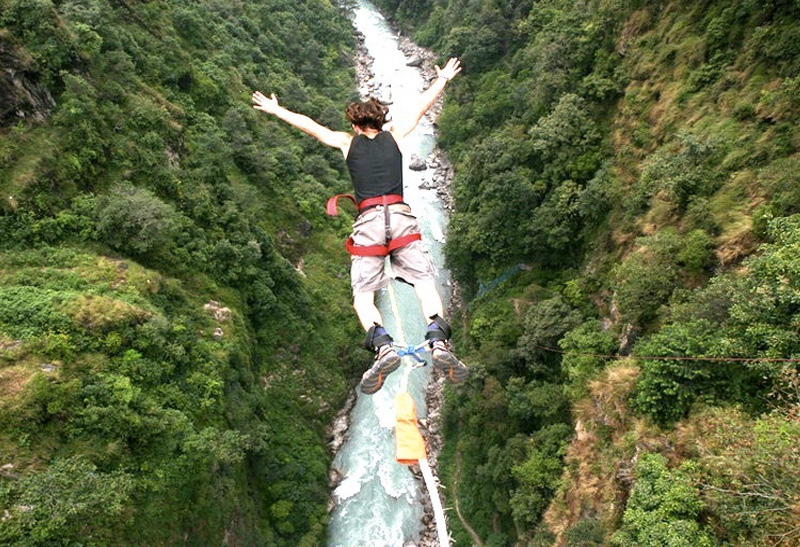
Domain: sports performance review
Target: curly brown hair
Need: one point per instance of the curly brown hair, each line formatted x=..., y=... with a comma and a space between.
x=367, y=114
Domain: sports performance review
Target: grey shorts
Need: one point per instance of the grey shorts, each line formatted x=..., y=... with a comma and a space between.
x=411, y=263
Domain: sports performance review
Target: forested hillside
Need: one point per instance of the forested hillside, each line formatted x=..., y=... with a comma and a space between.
x=175, y=328
x=627, y=238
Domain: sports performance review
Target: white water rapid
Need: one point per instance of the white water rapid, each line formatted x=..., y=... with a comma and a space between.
x=378, y=502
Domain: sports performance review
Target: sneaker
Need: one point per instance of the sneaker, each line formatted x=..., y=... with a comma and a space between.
x=444, y=360
x=386, y=362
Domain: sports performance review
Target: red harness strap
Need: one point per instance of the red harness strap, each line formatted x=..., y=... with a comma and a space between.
x=380, y=250
x=332, y=206
x=372, y=250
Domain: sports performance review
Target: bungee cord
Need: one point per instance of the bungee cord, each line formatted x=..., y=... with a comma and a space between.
x=409, y=444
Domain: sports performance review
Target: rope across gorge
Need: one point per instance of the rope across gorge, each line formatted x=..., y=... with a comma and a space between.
x=670, y=357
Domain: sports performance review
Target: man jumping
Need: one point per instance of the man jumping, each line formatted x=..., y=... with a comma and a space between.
x=384, y=225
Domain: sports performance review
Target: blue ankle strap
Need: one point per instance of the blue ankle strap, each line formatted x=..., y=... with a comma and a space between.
x=414, y=351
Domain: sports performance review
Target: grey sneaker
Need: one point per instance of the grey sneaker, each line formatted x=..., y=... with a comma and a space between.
x=444, y=360
x=386, y=362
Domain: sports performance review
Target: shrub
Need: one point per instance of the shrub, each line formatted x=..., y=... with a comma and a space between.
x=71, y=502
x=585, y=533
x=681, y=169
x=587, y=338
x=642, y=283
x=545, y=323
x=748, y=471
x=135, y=221
x=538, y=477
x=31, y=311
x=668, y=388
x=697, y=251
x=663, y=509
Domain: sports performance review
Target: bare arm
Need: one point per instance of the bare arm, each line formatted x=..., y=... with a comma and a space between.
x=428, y=97
x=336, y=139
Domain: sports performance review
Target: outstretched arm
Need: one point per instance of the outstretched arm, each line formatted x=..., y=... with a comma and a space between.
x=428, y=97
x=336, y=139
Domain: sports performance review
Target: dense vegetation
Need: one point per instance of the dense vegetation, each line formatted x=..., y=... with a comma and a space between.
x=626, y=186
x=171, y=297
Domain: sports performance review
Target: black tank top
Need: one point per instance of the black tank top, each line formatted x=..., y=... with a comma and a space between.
x=376, y=166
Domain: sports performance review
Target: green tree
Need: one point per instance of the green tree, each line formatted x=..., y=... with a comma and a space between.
x=545, y=323
x=72, y=502
x=663, y=509
x=136, y=221
x=567, y=140
x=538, y=476
x=584, y=347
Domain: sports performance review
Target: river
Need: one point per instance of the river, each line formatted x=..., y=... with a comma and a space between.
x=378, y=502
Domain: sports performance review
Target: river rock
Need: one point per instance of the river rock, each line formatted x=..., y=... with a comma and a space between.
x=416, y=61
x=417, y=163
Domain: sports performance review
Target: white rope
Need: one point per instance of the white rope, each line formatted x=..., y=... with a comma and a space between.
x=397, y=316
x=400, y=336
x=438, y=511
x=427, y=474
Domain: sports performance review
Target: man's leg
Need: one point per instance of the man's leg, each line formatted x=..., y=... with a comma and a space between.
x=439, y=332
x=413, y=264
x=376, y=340
x=429, y=298
x=438, y=336
x=367, y=311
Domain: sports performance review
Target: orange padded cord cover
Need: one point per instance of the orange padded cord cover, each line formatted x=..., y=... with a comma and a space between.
x=409, y=444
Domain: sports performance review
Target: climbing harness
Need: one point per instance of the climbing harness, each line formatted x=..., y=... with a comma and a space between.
x=373, y=250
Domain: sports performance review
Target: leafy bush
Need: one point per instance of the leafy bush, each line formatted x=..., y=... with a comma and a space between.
x=668, y=388
x=135, y=221
x=681, y=170
x=585, y=533
x=538, y=476
x=566, y=140
x=697, y=252
x=642, y=283
x=747, y=470
x=663, y=509
x=591, y=340
x=545, y=323
x=72, y=502
x=31, y=311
